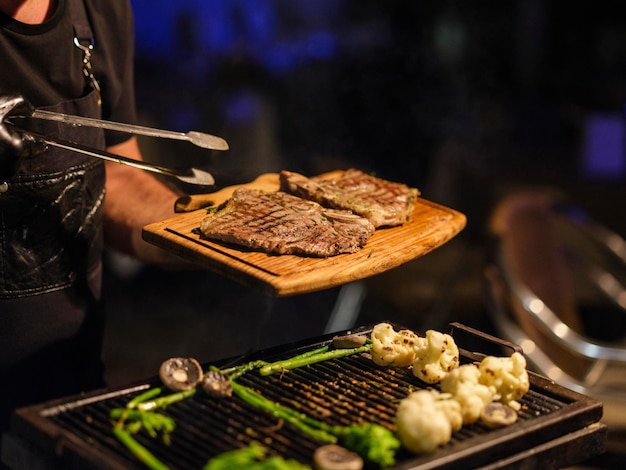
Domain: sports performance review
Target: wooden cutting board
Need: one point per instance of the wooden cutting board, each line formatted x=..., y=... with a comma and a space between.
x=430, y=226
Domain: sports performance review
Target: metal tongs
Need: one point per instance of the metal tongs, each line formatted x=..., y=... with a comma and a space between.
x=188, y=175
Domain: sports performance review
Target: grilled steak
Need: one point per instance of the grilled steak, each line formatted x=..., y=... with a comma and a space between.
x=285, y=224
x=382, y=202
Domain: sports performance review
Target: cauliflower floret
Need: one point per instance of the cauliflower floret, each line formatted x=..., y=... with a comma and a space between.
x=392, y=348
x=452, y=409
x=435, y=356
x=426, y=419
x=462, y=384
x=507, y=377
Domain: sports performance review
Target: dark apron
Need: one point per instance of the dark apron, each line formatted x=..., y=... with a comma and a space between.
x=50, y=218
x=50, y=267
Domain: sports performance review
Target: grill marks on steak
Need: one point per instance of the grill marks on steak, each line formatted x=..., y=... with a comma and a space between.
x=384, y=203
x=311, y=216
x=285, y=224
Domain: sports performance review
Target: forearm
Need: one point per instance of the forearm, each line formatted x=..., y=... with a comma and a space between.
x=135, y=198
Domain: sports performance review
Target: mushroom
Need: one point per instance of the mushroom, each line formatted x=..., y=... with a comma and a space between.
x=349, y=341
x=217, y=384
x=180, y=373
x=334, y=457
x=497, y=414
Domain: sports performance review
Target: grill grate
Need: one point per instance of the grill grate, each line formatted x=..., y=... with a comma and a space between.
x=342, y=391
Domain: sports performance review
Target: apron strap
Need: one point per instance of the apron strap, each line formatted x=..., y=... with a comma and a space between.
x=82, y=28
x=83, y=39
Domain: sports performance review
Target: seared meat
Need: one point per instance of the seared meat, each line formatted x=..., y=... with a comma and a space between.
x=284, y=224
x=382, y=202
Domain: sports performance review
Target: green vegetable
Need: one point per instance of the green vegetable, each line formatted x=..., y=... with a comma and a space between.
x=166, y=400
x=238, y=371
x=371, y=441
x=147, y=395
x=283, y=412
x=252, y=457
x=151, y=422
x=133, y=419
x=139, y=451
x=311, y=357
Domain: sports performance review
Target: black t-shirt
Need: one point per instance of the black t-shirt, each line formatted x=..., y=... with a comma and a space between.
x=42, y=63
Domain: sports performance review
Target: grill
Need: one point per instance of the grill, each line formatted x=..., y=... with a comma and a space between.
x=556, y=425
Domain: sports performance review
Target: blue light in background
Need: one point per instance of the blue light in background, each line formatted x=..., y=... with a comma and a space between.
x=604, y=147
x=241, y=108
x=237, y=27
x=154, y=28
x=322, y=45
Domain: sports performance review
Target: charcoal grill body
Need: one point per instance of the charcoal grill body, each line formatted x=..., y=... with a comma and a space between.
x=557, y=427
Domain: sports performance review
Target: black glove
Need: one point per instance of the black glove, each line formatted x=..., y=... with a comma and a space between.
x=13, y=144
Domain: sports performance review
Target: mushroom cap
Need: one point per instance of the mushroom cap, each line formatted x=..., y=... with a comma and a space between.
x=334, y=457
x=217, y=384
x=180, y=373
x=497, y=414
x=349, y=341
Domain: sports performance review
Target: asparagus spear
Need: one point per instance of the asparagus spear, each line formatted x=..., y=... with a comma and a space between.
x=162, y=402
x=139, y=451
x=311, y=357
x=293, y=417
x=372, y=441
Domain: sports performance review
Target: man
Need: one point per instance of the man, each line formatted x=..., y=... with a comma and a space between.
x=58, y=208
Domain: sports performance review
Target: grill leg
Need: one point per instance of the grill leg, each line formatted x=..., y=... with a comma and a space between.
x=347, y=307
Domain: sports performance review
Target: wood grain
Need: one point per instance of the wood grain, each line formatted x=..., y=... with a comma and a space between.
x=430, y=226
